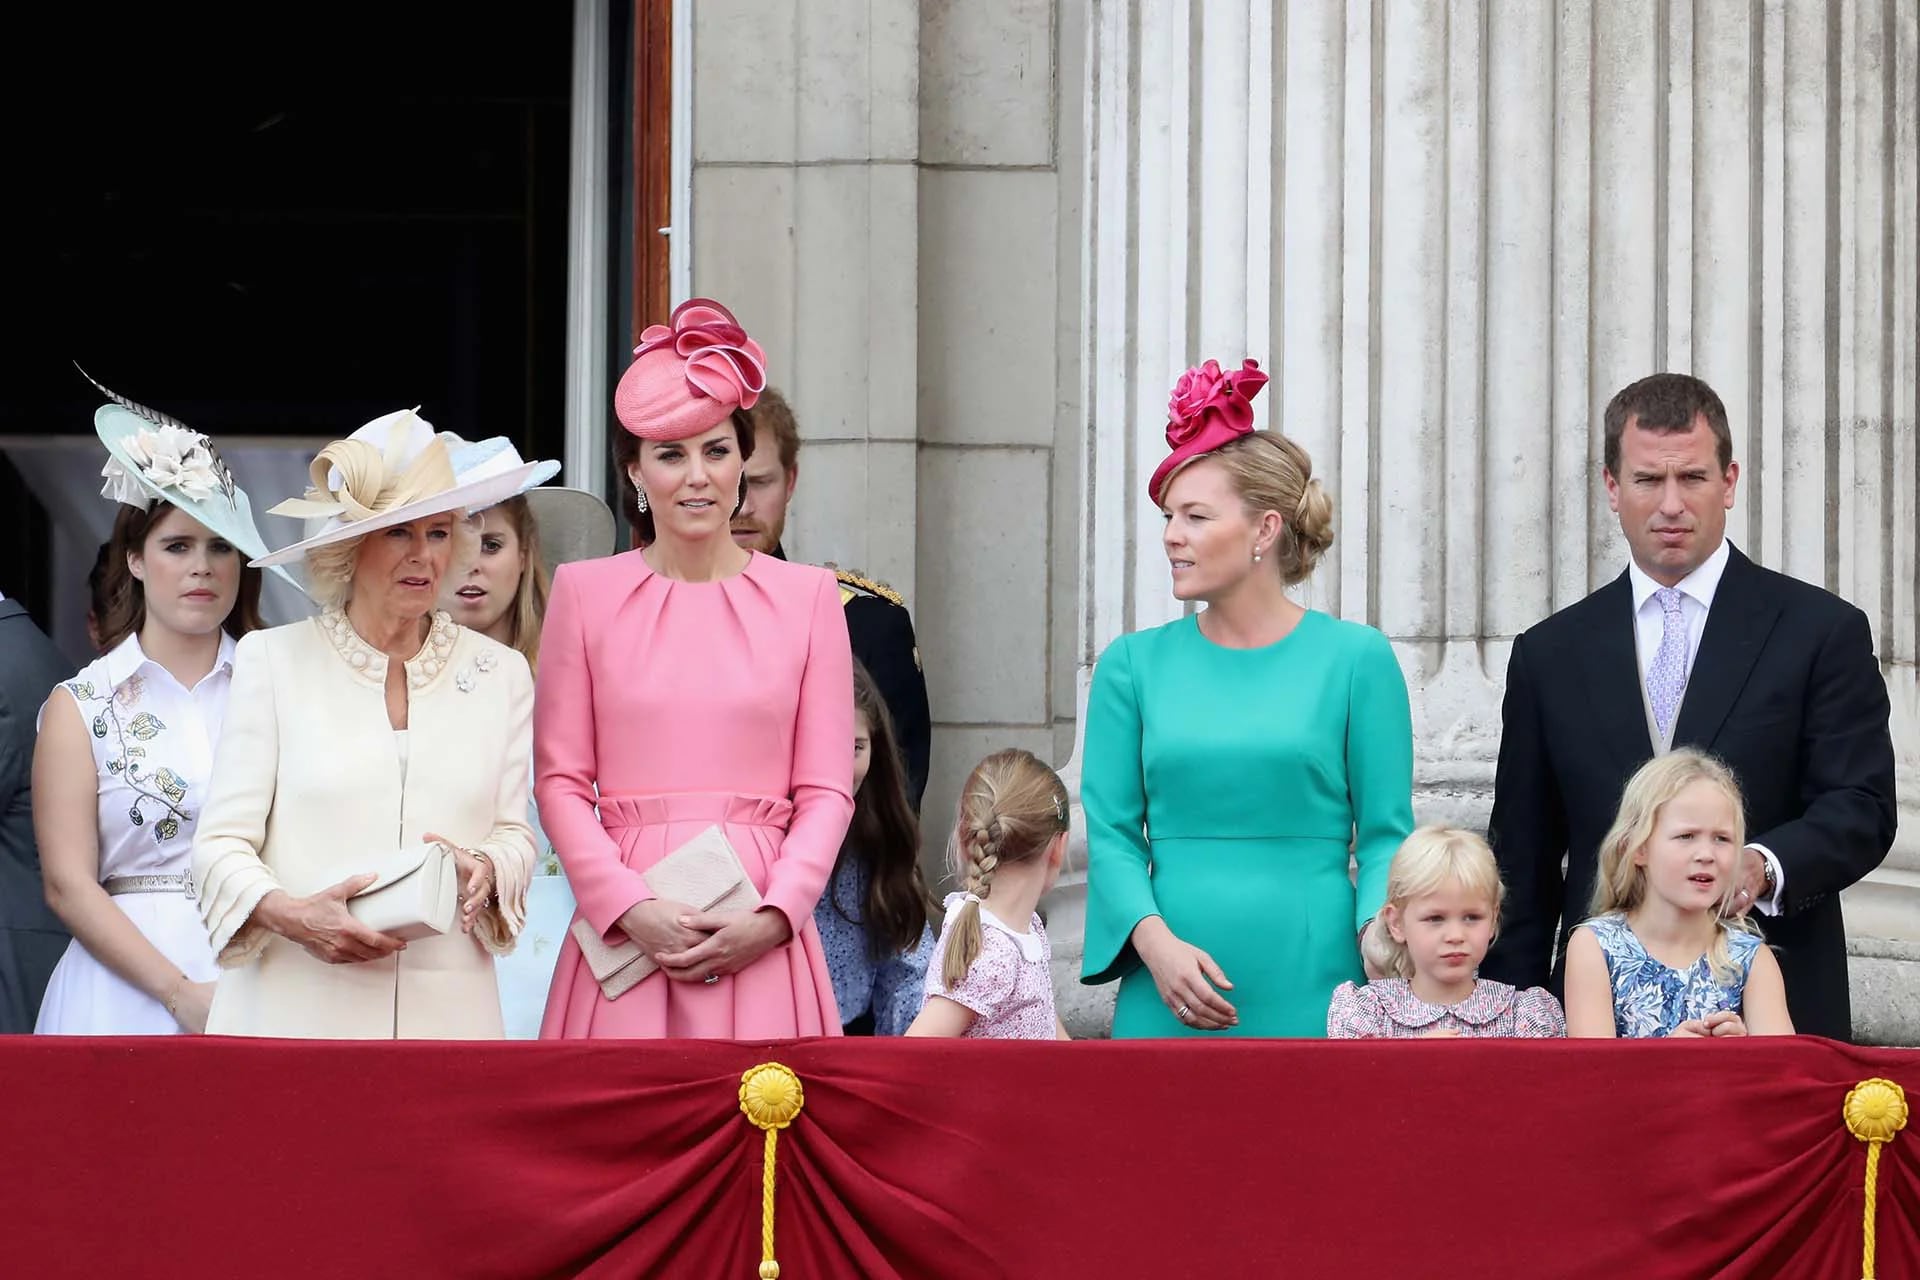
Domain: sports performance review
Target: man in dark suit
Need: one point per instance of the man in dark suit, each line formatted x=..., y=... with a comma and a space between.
x=31, y=936
x=1694, y=645
x=878, y=622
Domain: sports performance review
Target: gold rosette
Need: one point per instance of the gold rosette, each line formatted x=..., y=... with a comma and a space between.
x=1875, y=1110
x=771, y=1098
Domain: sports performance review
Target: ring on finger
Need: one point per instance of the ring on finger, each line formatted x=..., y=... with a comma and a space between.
x=711, y=978
x=1182, y=1012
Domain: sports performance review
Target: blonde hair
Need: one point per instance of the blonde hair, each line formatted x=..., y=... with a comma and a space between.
x=529, y=609
x=1010, y=810
x=1621, y=885
x=1433, y=858
x=330, y=565
x=1272, y=473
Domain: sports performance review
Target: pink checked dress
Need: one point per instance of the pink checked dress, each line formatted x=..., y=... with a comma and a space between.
x=689, y=704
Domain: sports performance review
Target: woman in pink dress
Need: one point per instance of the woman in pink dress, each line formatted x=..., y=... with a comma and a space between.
x=687, y=684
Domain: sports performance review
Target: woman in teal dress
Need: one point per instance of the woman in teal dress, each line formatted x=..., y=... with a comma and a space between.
x=1233, y=757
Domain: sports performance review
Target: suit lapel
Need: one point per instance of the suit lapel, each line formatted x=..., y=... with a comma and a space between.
x=1737, y=628
x=1613, y=675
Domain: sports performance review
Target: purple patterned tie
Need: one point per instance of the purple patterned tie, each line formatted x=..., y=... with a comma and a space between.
x=1667, y=676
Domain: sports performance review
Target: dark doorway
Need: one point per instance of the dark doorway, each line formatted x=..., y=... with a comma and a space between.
x=285, y=220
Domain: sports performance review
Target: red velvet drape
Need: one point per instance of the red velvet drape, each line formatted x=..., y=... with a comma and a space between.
x=932, y=1159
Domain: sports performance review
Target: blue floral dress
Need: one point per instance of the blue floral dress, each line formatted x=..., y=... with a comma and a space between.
x=1650, y=997
x=892, y=988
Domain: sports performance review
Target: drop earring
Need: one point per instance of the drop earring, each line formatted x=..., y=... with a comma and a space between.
x=640, y=499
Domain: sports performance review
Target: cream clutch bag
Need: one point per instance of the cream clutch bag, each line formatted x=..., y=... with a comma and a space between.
x=416, y=896
x=705, y=873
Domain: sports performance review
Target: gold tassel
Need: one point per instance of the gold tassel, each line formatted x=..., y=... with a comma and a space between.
x=771, y=1097
x=1876, y=1110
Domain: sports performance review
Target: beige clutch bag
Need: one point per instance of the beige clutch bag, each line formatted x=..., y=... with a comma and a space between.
x=416, y=895
x=705, y=873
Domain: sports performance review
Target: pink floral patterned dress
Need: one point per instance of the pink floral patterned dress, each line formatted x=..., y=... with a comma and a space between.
x=1010, y=985
x=1387, y=1009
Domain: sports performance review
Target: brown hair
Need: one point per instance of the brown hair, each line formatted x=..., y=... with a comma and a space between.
x=1010, y=810
x=1272, y=473
x=1666, y=403
x=884, y=836
x=626, y=451
x=771, y=413
x=123, y=599
x=97, y=593
x=529, y=609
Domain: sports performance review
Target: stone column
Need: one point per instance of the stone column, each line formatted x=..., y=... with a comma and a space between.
x=1452, y=231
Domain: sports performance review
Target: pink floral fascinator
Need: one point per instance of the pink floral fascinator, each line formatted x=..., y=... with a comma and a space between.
x=687, y=375
x=1208, y=408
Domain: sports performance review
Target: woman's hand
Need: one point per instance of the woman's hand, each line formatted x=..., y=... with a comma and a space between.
x=476, y=879
x=323, y=925
x=654, y=926
x=737, y=939
x=190, y=1003
x=1185, y=976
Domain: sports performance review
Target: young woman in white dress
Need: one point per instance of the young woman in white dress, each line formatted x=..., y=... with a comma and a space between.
x=126, y=747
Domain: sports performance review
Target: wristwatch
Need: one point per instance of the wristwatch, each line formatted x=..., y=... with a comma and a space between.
x=1768, y=884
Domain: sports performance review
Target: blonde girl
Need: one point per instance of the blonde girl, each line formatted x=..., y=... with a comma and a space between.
x=1441, y=914
x=992, y=974
x=1662, y=955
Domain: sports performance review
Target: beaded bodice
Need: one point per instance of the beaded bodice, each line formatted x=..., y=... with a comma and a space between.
x=370, y=664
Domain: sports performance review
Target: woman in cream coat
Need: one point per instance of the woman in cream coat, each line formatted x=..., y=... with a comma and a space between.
x=378, y=725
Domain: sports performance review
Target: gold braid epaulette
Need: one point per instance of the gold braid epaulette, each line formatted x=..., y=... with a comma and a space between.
x=851, y=579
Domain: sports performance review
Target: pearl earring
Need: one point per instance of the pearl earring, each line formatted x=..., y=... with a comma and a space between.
x=1256, y=557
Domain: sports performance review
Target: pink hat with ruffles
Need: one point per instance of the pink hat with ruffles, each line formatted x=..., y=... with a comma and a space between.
x=1208, y=409
x=687, y=375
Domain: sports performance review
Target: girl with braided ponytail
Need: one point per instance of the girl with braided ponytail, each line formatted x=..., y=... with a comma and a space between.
x=992, y=973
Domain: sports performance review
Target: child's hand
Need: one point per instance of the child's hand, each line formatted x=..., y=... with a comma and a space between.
x=1441, y=1033
x=1723, y=1022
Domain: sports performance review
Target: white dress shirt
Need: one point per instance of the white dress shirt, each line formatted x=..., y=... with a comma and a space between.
x=1649, y=622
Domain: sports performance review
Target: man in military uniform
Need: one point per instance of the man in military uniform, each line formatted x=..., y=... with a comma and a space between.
x=877, y=618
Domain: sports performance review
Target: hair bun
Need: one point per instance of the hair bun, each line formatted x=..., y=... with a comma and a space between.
x=1313, y=520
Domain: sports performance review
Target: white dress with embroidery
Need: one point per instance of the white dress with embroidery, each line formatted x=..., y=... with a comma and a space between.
x=153, y=744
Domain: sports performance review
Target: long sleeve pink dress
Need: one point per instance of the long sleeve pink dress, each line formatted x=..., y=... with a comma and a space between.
x=688, y=704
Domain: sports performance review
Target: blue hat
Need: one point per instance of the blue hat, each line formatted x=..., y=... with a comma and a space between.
x=153, y=456
x=573, y=524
